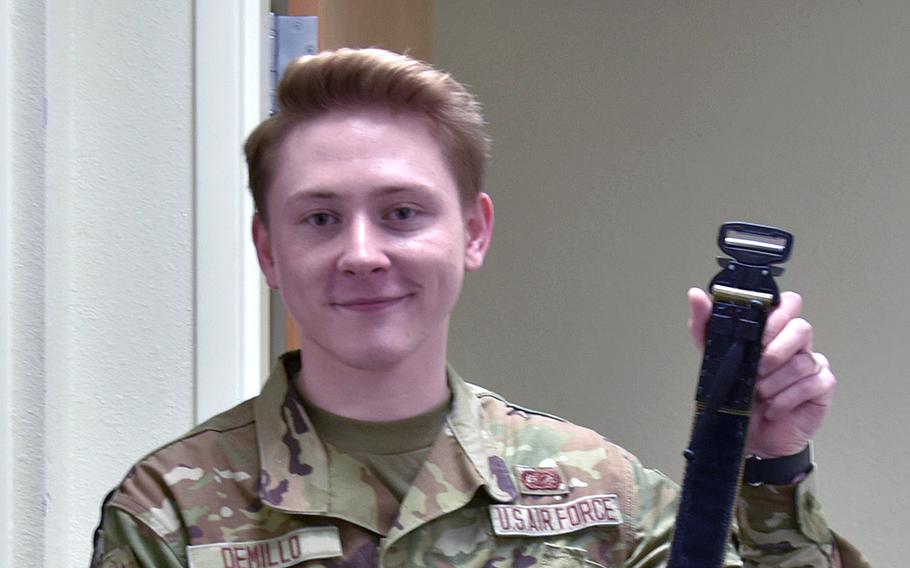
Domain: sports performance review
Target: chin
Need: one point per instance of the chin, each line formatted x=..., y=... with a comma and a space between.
x=373, y=361
x=379, y=348
x=375, y=357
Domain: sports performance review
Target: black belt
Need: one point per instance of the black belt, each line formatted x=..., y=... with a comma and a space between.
x=744, y=292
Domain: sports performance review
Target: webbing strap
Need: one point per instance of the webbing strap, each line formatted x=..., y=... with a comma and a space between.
x=744, y=292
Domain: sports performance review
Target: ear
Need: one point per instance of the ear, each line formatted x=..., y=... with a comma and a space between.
x=263, y=246
x=478, y=231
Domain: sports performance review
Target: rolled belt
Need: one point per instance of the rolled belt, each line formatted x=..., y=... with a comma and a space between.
x=744, y=293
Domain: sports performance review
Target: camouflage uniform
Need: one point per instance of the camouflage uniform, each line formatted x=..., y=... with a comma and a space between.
x=255, y=487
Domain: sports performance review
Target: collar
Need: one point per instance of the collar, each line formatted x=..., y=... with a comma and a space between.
x=470, y=427
x=302, y=475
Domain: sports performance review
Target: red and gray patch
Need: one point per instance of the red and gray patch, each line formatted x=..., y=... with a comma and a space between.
x=541, y=480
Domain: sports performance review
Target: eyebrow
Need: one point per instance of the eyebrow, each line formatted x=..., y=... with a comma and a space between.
x=314, y=195
x=327, y=195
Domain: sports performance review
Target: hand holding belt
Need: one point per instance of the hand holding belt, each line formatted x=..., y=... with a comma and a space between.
x=744, y=292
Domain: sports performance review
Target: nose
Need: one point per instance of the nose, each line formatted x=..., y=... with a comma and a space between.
x=363, y=250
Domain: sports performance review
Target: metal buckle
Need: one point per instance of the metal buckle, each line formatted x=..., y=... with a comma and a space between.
x=757, y=245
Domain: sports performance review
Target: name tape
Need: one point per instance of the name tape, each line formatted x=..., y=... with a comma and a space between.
x=287, y=550
x=556, y=518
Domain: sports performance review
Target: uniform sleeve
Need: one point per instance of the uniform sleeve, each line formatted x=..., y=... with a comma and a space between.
x=121, y=541
x=658, y=500
x=783, y=525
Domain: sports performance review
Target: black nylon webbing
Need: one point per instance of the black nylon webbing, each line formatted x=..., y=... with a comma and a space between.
x=724, y=395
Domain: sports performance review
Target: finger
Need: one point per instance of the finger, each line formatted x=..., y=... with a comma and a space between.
x=791, y=305
x=699, y=313
x=817, y=390
x=798, y=367
x=795, y=336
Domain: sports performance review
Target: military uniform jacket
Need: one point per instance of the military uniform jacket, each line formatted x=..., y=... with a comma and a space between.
x=255, y=487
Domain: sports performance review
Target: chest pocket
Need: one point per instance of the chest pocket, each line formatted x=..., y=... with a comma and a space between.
x=556, y=556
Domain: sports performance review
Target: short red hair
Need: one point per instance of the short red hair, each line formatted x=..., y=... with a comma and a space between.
x=352, y=78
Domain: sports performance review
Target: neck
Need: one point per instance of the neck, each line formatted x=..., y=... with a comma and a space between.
x=403, y=390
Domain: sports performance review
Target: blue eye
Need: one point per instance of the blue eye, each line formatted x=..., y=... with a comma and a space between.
x=321, y=219
x=402, y=213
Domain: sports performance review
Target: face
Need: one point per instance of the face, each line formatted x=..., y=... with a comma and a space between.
x=367, y=238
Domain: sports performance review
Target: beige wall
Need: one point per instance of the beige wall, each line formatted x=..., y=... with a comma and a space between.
x=625, y=133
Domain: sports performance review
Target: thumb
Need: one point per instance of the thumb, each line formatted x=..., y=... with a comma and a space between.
x=699, y=312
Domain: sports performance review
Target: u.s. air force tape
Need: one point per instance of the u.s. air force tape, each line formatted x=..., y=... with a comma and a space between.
x=555, y=518
x=288, y=549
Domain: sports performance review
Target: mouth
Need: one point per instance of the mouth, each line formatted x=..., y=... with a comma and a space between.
x=371, y=304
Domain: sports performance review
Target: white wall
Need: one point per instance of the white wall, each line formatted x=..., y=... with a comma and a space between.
x=625, y=133
x=22, y=331
x=98, y=108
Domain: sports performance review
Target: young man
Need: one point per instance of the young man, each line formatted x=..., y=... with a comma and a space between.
x=364, y=448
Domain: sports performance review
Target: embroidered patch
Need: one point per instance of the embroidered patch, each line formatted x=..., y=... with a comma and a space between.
x=541, y=480
x=287, y=550
x=558, y=518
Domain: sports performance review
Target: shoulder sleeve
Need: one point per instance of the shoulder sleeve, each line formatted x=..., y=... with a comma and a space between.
x=783, y=525
x=122, y=541
x=850, y=556
x=658, y=500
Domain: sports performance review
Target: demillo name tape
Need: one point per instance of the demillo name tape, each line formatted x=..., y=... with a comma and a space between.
x=555, y=518
x=280, y=552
